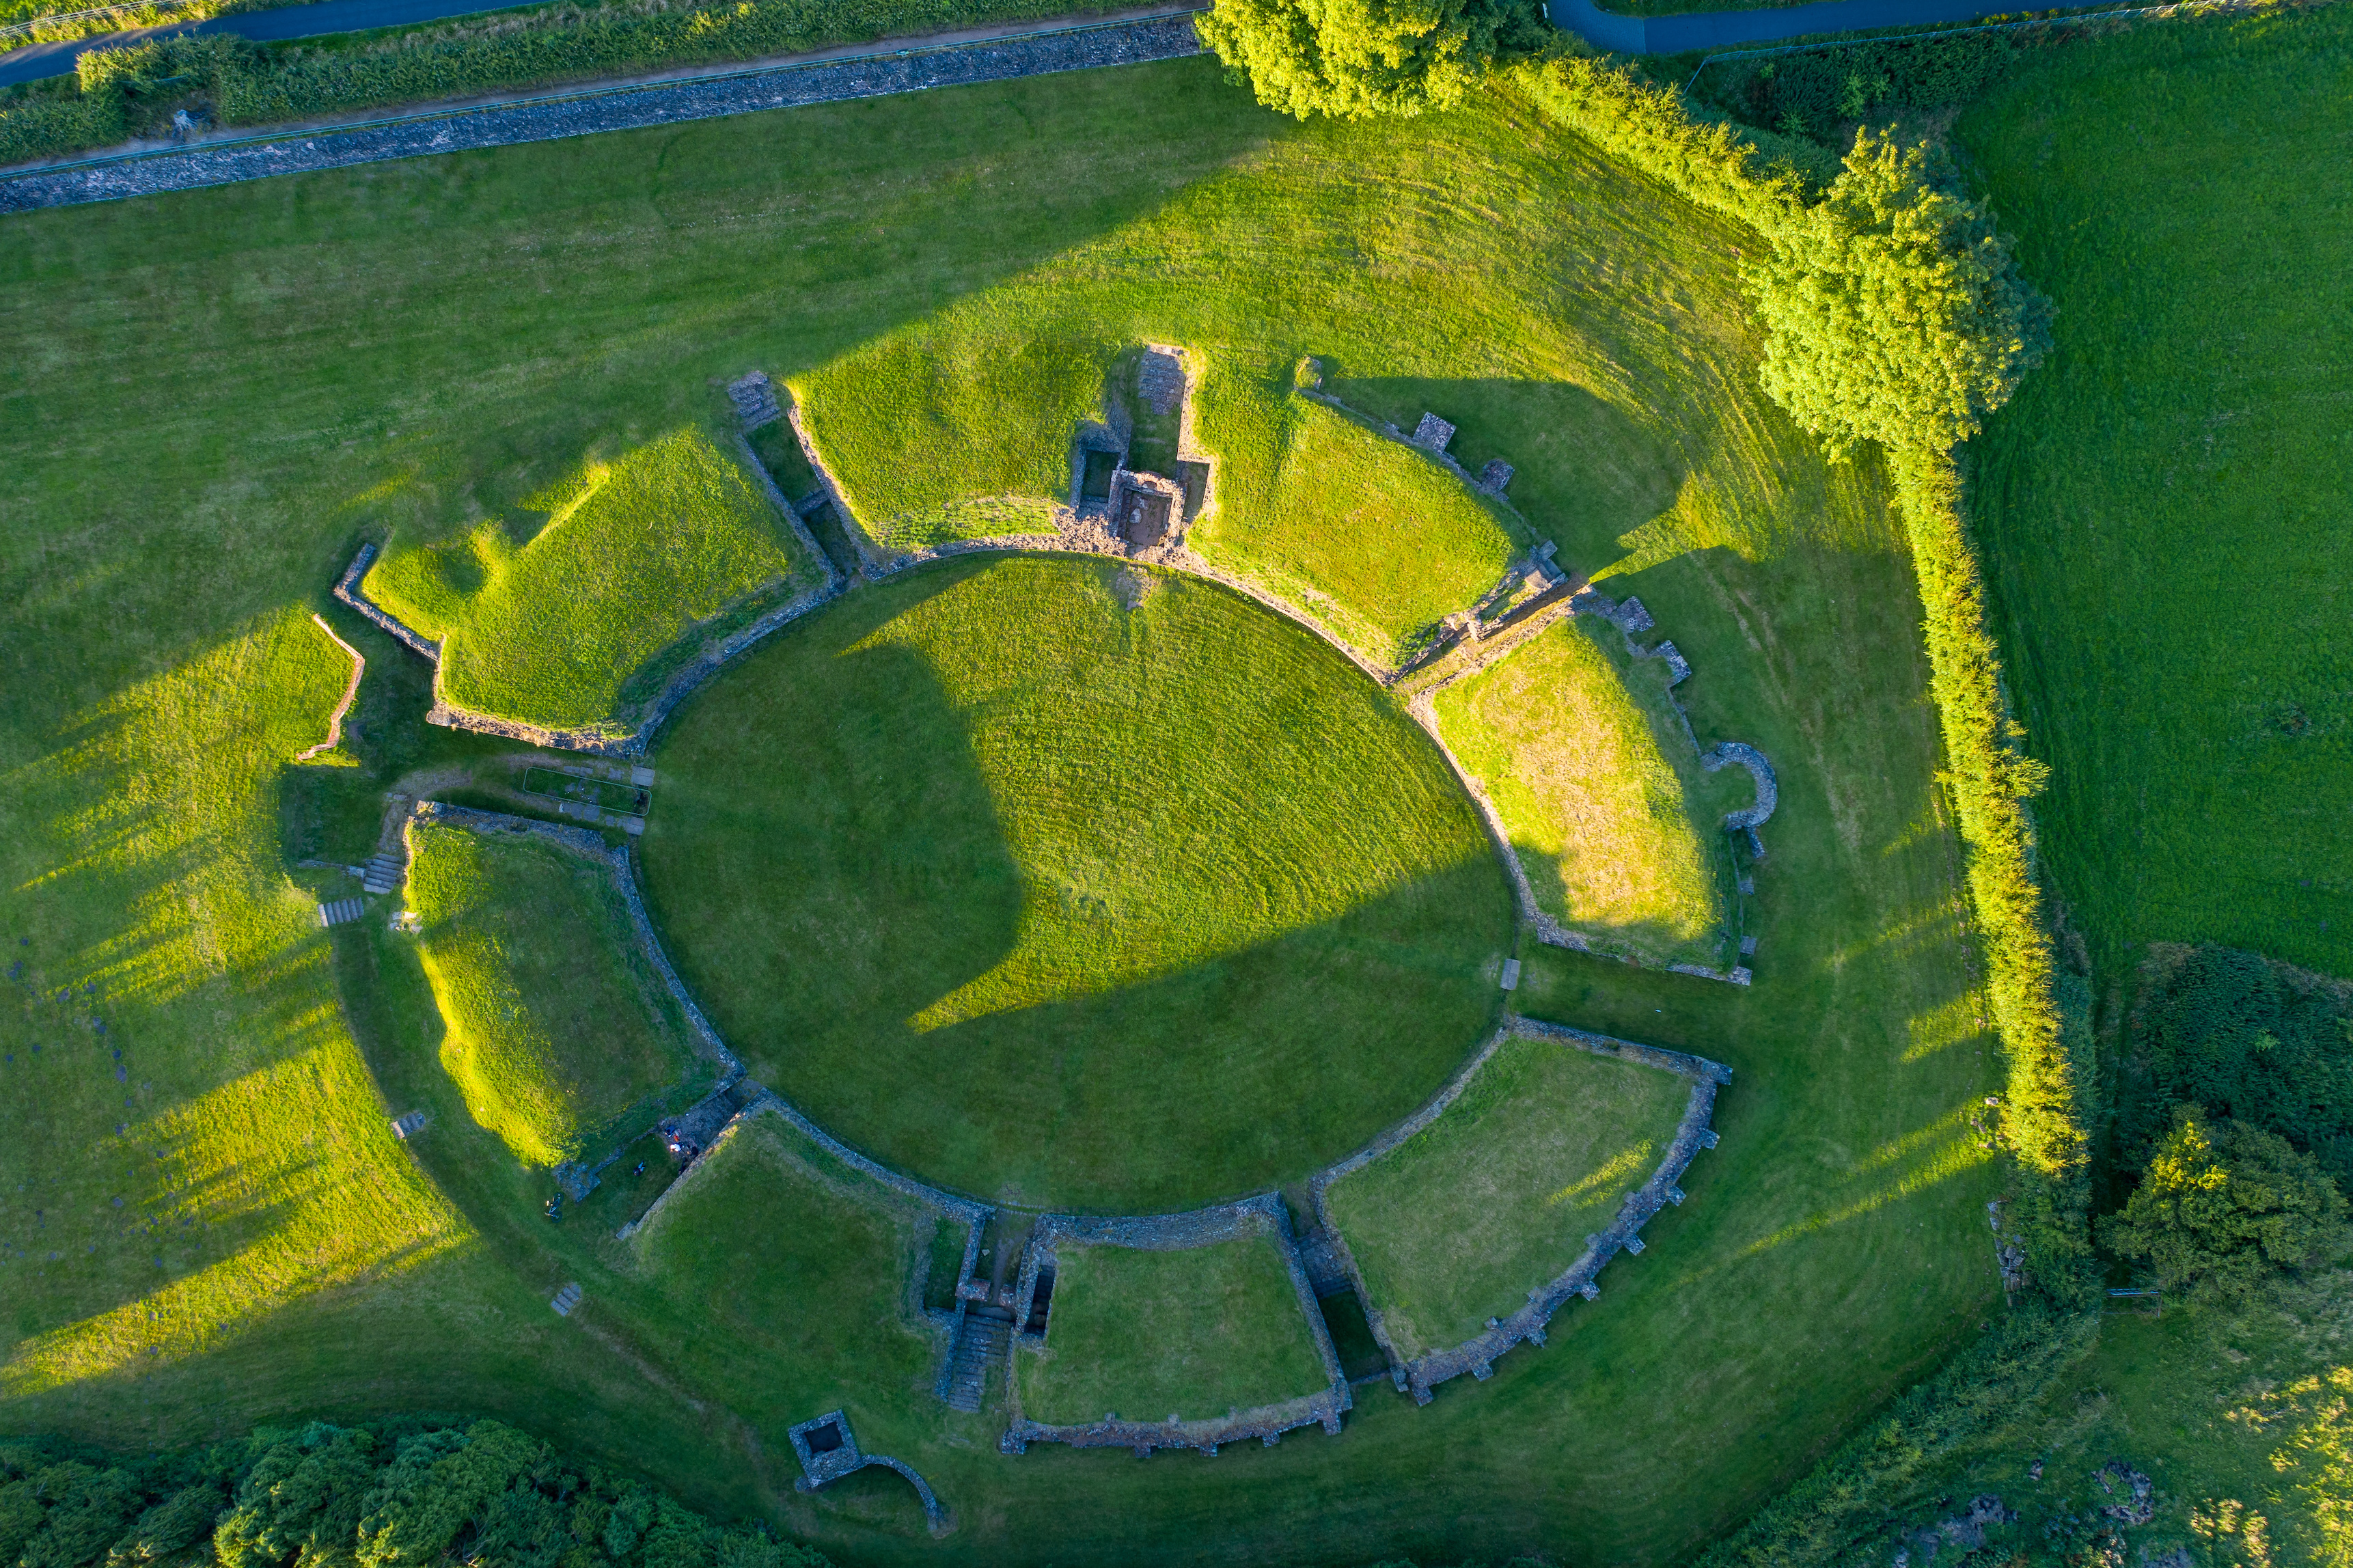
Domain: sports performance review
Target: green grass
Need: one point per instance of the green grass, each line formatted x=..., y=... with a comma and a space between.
x=2157, y=506
x=778, y=1264
x=557, y=1026
x=1600, y=792
x=961, y=429
x=546, y=611
x=1365, y=534
x=1459, y=1223
x=1146, y=1335
x=420, y=344
x=938, y=434
x=1062, y=903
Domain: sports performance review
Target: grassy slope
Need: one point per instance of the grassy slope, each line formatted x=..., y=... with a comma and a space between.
x=555, y=1024
x=778, y=1266
x=1148, y=1334
x=1061, y=903
x=1604, y=800
x=2161, y=507
x=545, y=613
x=1376, y=539
x=426, y=342
x=1457, y=1225
x=961, y=427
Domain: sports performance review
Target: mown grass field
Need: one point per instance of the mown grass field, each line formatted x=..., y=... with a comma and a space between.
x=316, y=358
x=1600, y=792
x=1494, y=1198
x=1146, y=1335
x=545, y=612
x=1072, y=905
x=2161, y=506
x=556, y=1027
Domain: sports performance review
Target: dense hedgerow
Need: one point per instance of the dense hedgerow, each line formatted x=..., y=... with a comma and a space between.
x=124, y=92
x=413, y=1491
x=1817, y=94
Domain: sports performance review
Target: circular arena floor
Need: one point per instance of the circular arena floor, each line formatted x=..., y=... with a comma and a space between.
x=1074, y=885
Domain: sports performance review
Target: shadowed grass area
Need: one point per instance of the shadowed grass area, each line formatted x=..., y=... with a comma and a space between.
x=779, y=1266
x=1146, y=1335
x=1056, y=900
x=2161, y=508
x=1600, y=791
x=1459, y=1223
x=423, y=344
x=557, y=1026
x=543, y=614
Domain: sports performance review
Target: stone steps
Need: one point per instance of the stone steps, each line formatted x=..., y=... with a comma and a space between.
x=980, y=1342
x=565, y=1300
x=383, y=874
x=755, y=401
x=337, y=911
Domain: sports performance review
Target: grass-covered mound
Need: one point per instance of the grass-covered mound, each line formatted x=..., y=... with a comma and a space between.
x=961, y=429
x=780, y=1266
x=413, y=343
x=556, y=1024
x=2161, y=506
x=1050, y=898
x=1600, y=789
x=555, y=611
x=1373, y=538
x=1148, y=1336
x=1460, y=1222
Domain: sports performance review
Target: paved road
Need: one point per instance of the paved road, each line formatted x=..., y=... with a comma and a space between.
x=1604, y=29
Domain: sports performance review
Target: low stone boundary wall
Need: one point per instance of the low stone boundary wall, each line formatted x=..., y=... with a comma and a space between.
x=1264, y=1216
x=588, y=112
x=351, y=694
x=1417, y=1375
x=347, y=589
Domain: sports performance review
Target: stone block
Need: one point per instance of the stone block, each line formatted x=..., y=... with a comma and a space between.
x=1433, y=433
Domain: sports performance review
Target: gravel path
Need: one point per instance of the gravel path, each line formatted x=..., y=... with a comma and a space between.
x=589, y=110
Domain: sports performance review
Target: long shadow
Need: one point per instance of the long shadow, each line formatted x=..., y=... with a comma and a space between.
x=1586, y=472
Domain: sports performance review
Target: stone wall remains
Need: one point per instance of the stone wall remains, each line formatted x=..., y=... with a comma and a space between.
x=1417, y=1375
x=1264, y=1216
x=347, y=589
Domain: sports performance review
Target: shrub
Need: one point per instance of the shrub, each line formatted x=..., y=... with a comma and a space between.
x=2224, y=1208
x=2240, y=1036
x=1815, y=94
x=1356, y=58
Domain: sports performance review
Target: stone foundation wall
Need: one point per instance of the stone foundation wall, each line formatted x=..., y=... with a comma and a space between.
x=347, y=589
x=1417, y=1375
x=1264, y=1216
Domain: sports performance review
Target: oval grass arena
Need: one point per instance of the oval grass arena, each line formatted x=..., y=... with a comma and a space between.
x=1075, y=885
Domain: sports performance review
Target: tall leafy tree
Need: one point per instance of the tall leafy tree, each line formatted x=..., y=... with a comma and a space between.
x=2226, y=1207
x=1891, y=310
x=1356, y=59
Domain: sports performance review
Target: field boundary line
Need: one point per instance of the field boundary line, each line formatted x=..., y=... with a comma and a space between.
x=589, y=110
x=351, y=693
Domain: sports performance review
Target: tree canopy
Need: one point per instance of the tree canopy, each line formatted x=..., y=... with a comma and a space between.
x=1891, y=310
x=2224, y=1207
x=1356, y=59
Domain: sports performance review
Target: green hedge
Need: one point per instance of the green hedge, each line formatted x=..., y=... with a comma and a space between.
x=252, y=86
